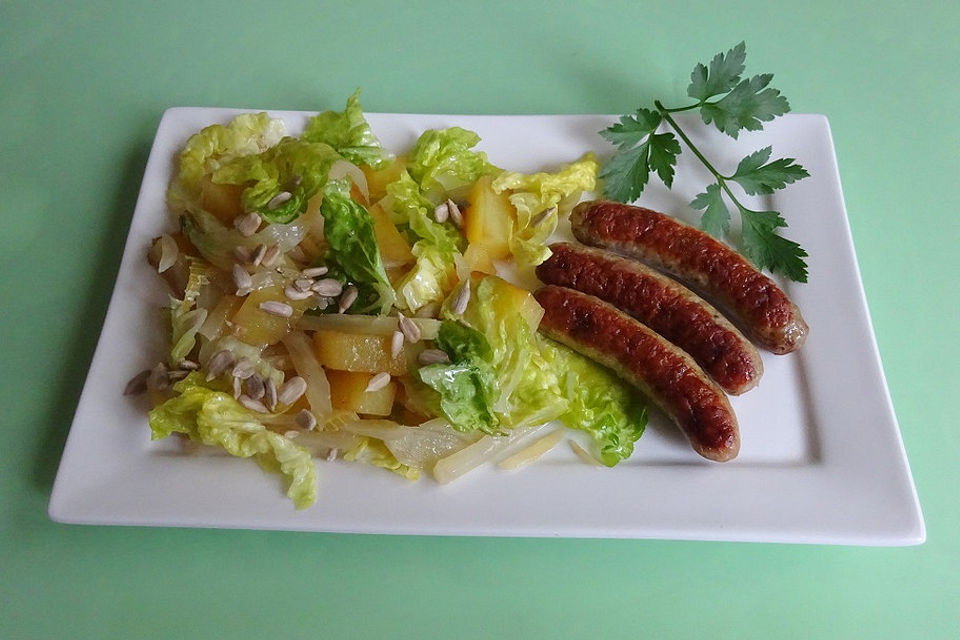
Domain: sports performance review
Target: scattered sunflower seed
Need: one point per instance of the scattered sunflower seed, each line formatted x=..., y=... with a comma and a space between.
x=243, y=369
x=293, y=293
x=442, y=212
x=275, y=308
x=159, y=379
x=279, y=199
x=241, y=278
x=305, y=420
x=328, y=287
x=237, y=388
x=177, y=374
x=538, y=219
x=409, y=328
x=168, y=252
x=378, y=382
x=462, y=299
x=332, y=454
x=255, y=387
x=314, y=272
x=218, y=364
x=242, y=254
x=348, y=298
x=270, y=255
x=188, y=365
x=455, y=214
x=253, y=405
x=291, y=390
x=291, y=434
x=137, y=384
x=257, y=256
x=247, y=224
x=396, y=343
x=433, y=356
x=270, y=394
x=303, y=284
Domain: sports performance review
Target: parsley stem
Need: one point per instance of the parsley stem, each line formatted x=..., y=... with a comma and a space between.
x=721, y=180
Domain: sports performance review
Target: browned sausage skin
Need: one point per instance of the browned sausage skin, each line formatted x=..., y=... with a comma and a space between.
x=664, y=305
x=665, y=374
x=752, y=300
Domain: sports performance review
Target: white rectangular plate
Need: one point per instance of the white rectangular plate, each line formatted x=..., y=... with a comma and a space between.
x=821, y=458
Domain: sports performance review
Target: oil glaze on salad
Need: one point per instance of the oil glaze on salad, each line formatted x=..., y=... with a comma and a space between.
x=332, y=299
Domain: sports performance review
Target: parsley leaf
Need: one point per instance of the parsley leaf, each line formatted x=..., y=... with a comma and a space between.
x=724, y=73
x=769, y=250
x=632, y=129
x=716, y=217
x=640, y=151
x=664, y=150
x=756, y=176
x=748, y=105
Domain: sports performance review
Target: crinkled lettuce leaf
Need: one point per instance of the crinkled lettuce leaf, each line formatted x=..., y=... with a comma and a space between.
x=373, y=451
x=533, y=194
x=293, y=166
x=185, y=317
x=348, y=133
x=213, y=146
x=432, y=277
x=443, y=161
x=213, y=417
x=600, y=403
x=354, y=251
x=413, y=213
x=467, y=385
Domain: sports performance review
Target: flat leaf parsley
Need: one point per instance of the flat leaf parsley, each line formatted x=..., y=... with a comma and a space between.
x=732, y=104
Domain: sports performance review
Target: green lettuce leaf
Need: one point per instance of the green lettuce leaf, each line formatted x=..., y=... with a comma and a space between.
x=467, y=384
x=533, y=194
x=413, y=213
x=431, y=278
x=213, y=417
x=293, y=166
x=599, y=402
x=213, y=146
x=348, y=133
x=442, y=161
x=354, y=251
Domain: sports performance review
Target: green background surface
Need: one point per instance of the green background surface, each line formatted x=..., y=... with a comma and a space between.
x=82, y=89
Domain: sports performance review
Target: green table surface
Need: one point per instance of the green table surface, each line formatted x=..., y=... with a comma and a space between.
x=82, y=89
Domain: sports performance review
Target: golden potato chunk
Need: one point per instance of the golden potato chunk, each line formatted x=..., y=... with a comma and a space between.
x=488, y=220
x=348, y=392
x=358, y=352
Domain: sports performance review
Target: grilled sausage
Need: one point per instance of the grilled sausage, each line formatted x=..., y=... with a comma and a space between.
x=668, y=376
x=664, y=305
x=752, y=300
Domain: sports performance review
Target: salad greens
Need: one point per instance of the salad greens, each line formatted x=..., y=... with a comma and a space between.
x=275, y=230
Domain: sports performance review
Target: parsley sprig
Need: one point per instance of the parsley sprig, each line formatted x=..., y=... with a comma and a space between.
x=732, y=104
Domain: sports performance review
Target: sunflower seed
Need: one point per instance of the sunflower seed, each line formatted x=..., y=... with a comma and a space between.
x=168, y=252
x=270, y=394
x=270, y=255
x=303, y=284
x=332, y=454
x=247, y=224
x=348, y=298
x=291, y=390
x=279, y=199
x=177, y=374
x=463, y=297
x=253, y=405
x=291, y=434
x=237, y=388
x=241, y=278
x=314, y=272
x=378, y=382
x=328, y=287
x=275, y=308
x=294, y=293
x=243, y=369
x=409, y=328
x=257, y=256
x=137, y=384
x=218, y=364
x=396, y=343
x=455, y=214
x=442, y=212
x=538, y=219
x=188, y=365
x=305, y=420
x=158, y=379
x=433, y=356
x=255, y=387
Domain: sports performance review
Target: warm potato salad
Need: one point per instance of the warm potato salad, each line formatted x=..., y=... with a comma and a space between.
x=331, y=300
